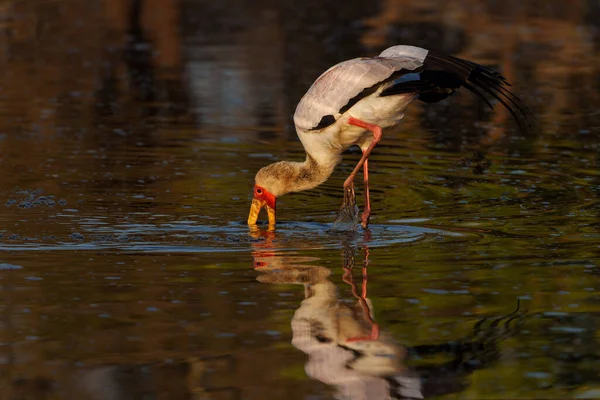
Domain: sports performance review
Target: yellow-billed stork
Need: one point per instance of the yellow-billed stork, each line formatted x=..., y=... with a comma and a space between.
x=352, y=101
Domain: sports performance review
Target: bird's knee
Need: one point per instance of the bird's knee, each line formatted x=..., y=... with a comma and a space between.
x=377, y=135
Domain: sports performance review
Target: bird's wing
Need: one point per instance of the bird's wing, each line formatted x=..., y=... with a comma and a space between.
x=439, y=75
x=442, y=74
x=335, y=88
x=477, y=78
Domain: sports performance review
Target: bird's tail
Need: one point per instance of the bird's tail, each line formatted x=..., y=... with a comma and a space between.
x=441, y=75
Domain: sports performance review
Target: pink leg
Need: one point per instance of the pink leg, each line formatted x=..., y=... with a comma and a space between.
x=367, y=211
x=349, y=183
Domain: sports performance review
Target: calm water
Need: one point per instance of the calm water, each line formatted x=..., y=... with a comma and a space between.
x=130, y=133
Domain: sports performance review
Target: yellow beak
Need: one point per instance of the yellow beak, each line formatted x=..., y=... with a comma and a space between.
x=255, y=210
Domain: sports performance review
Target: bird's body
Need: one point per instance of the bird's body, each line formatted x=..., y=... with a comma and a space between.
x=327, y=144
x=321, y=117
x=351, y=102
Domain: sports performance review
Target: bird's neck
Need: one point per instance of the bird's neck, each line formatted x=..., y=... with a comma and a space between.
x=309, y=174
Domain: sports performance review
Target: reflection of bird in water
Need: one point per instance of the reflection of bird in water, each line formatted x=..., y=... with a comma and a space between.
x=343, y=342
x=351, y=102
x=346, y=349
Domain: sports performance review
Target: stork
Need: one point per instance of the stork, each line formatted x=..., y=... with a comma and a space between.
x=350, y=104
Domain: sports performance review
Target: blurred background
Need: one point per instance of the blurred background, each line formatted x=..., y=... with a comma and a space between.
x=231, y=67
x=130, y=133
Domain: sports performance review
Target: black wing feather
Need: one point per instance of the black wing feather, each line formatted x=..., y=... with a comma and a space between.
x=475, y=76
x=439, y=77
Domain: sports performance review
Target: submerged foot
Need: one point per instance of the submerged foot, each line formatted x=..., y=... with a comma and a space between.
x=347, y=218
x=365, y=219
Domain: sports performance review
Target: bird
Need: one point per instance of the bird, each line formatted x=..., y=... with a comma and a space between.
x=353, y=101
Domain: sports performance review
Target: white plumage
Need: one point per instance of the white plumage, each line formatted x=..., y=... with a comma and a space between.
x=327, y=96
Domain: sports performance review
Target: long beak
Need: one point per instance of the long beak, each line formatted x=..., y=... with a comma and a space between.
x=255, y=210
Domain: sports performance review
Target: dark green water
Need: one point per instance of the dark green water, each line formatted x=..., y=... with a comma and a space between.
x=129, y=139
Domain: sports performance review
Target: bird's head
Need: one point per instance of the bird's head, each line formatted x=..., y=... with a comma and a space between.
x=280, y=178
x=270, y=182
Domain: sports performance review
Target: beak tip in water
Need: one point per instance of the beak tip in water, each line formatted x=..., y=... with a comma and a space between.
x=255, y=208
x=254, y=211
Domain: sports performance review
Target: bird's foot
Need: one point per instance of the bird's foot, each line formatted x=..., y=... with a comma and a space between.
x=347, y=217
x=365, y=219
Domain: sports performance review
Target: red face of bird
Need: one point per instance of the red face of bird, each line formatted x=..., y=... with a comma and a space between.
x=261, y=199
